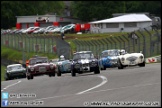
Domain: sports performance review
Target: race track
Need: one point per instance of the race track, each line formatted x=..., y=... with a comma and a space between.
x=132, y=85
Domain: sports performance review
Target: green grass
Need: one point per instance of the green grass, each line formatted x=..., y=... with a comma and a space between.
x=17, y=55
x=3, y=72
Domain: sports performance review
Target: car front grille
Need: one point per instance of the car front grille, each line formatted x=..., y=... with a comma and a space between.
x=85, y=65
x=42, y=69
x=132, y=58
x=68, y=66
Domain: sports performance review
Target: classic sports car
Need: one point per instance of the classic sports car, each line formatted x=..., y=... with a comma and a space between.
x=14, y=71
x=109, y=58
x=40, y=66
x=131, y=59
x=84, y=61
x=64, y=66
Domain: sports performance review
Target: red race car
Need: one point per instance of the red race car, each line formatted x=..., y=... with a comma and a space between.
x=40, y=66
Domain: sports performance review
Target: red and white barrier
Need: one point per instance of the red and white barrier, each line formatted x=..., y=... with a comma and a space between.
x=151, y=60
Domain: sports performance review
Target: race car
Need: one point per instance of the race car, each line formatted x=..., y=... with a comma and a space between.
x=131, y=59
x=84, y=61
x=64, y=66
x=109, y=58
x=40, y=66
x=14, y=71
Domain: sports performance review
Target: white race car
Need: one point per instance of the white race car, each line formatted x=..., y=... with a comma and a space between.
x=131, y=59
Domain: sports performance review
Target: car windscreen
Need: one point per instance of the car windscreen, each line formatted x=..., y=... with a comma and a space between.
x=14, y=67
x=110, y=53
x=38, y=60
x=83, y=56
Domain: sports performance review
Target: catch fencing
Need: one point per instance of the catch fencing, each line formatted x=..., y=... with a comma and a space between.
x=36, y=43
x=147, y=40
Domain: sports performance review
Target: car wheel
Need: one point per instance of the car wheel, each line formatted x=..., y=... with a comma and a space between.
x=120, y=66
x=50, y=74
x=24, y=76
x=101, y=68
x=53, y=74
x=59, y=73
x=31, y=76
x=7, y=77
x=104, y=68
x=73, y=73
x=142, y=64
x=97, y=70
x=28, y=77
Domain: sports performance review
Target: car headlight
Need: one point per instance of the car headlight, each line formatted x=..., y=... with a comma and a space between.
x=32, y=68
x=141, y=57
x=122, y=59
x=51, y=66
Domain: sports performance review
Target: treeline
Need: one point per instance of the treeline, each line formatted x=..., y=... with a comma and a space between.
x=97, y=10
x=11, y=9
x=84, y=10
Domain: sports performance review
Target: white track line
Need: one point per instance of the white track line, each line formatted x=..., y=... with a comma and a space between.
x=123, y=87
x=11, y=85
x=104, y=80
x=97, y=91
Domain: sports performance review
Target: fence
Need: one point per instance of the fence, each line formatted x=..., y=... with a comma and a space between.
x=145, y=39
x=47, y=44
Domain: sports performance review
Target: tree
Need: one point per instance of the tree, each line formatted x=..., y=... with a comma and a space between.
x=89, y=10
x=11, y=9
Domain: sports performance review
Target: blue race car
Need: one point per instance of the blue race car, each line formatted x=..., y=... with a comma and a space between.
x=109, y=58
x=64, y=66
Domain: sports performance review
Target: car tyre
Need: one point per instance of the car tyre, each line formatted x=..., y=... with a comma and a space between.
x=7, y=77
x=73, y=73
x=120, y=66
x=51, y=74
x=59, y=73
x=28, y=77
x=104, y=68
x=142, y=64
x=97, y=70
x=31, y=76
